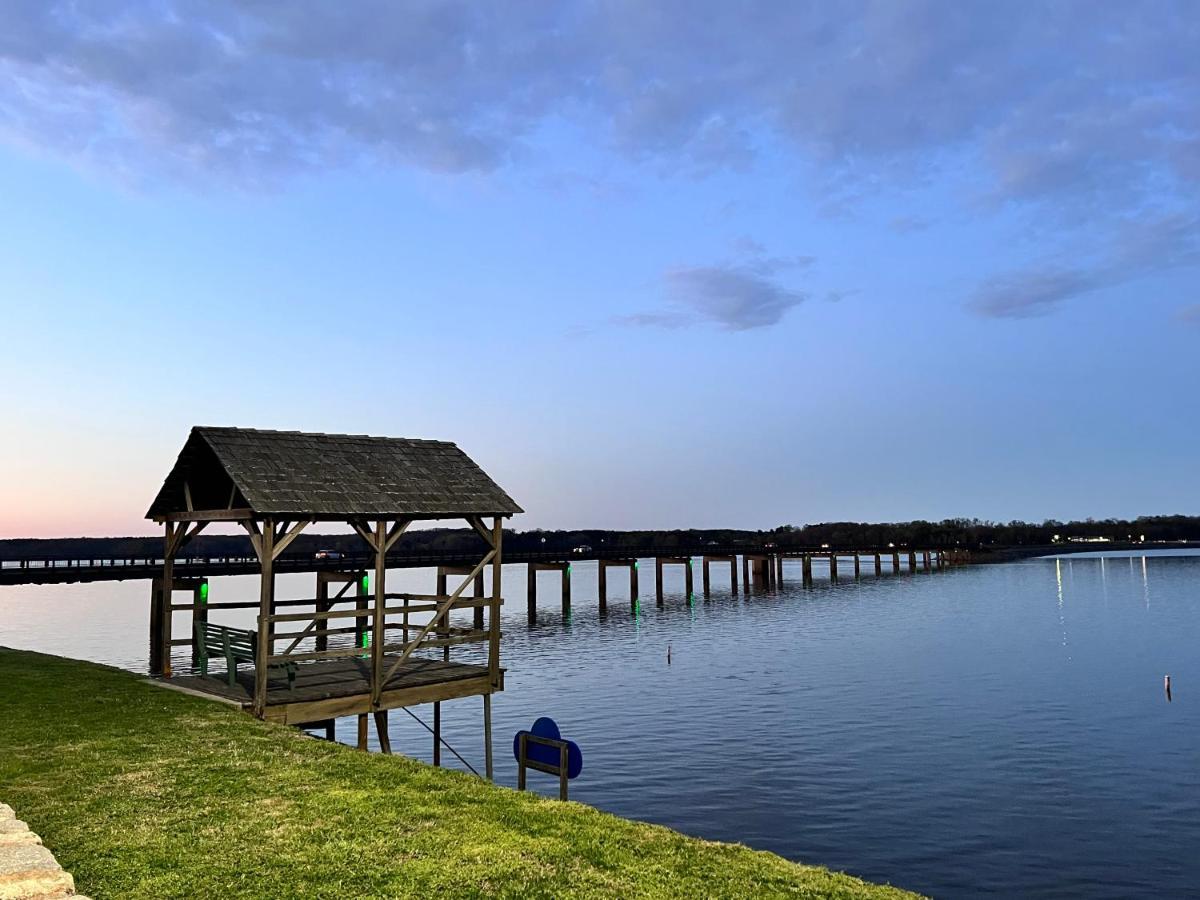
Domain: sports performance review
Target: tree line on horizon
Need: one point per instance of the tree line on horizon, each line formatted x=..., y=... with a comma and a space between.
x=975, y=534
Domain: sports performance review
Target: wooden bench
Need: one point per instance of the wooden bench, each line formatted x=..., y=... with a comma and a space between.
x=236, y=645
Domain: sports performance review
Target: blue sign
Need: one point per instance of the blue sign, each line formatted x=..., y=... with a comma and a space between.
x=546, y=727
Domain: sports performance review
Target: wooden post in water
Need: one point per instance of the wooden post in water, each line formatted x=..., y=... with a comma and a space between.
x=878, y=565
x=705, y=581
x=689, y=588
x=857, y=567
x=658, y=580
x=895, y=562
x=437, y=734
x=602, y=584
x=833, y=572
x=806, y=570
x=566, y=590
x=926, y=561
x=912, y=561
x=746, y=572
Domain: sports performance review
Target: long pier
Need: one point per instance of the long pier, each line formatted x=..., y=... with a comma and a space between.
x=761, y=564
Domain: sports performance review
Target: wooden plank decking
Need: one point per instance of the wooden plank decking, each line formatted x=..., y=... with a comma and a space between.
x=340, y=687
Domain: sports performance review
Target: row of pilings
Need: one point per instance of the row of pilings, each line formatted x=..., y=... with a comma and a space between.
x=760, y=570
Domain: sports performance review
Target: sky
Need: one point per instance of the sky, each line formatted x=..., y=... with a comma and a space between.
x=652, y=265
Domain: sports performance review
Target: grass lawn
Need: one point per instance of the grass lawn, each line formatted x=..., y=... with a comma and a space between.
x=144, y=792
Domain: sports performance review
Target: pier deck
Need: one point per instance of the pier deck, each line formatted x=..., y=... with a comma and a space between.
x=326, y=689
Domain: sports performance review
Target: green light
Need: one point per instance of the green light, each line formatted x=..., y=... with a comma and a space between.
x=204, y=591
x=366, y=584
x=366, y=642
x=568, y=568
x=635, y=563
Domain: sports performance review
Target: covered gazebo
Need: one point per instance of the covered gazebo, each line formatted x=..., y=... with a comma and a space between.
x=275, y=484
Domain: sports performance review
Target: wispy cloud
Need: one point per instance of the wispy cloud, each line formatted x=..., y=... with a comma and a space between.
x=1141, y=248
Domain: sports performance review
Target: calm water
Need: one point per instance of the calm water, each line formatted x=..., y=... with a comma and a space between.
x=998, y=729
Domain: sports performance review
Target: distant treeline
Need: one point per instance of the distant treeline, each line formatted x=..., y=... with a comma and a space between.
x=970, y=533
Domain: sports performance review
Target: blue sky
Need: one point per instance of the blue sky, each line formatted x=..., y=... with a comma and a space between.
x=652, y=265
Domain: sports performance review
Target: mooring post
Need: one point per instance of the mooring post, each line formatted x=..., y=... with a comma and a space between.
x=857, y=567
x=927, y=561
x=566, y=590
x=381, y=728
x=437, y=733
x=778, y=569
x=878, y=564
x=687, y=577
x=658, y=580
x=487, y=735
x=704, y=575
x=602, y=584
x=633, y=582
x=912, y=561
x=733, y=578
x=806, y=570
x=531, y=593
x=362, y=731
x=895, y=562
x=833, y=572
x=746, y=572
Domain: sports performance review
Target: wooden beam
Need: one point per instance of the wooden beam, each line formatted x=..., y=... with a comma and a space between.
x=288, y=538
x=394, y=534
x=208, y=515
x=255, y=533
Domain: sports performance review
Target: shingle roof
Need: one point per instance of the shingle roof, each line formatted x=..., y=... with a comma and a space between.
x=291, y=473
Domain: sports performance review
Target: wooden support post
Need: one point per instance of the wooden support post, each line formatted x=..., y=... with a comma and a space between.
x=806, y=570
x=331, y=730
x=531, y=593
x=927, y=563
x=478, y=592
x=437, y=733
x=487, y=736
x=494, y=610
x=633, y=583
x=833, y=572
x=857, y=567
x=896, y=562
x=746, y=572
x=566, y=591
x=381, y=728
x=878, y=564
x=322, y=605
x=912, y=560
x=164, y=599
x=266, y=602
x=362, y=731
x=602, y=584
x=658, y=581
x=156, y=641
x=378, y=638
x=705, y=580
x=733, y=575
x=360, y=604
x=778, y=569
x=688, y=585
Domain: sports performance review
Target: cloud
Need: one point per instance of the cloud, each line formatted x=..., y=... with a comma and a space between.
x=1141, y=248
x=1086, y=105
x=736, y=297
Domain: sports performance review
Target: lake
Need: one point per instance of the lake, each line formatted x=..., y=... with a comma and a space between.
x=987, y=729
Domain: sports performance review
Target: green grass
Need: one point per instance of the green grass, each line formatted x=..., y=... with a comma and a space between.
x=144, y=792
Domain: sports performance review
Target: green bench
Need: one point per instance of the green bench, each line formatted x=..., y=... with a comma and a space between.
x=236, y=645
